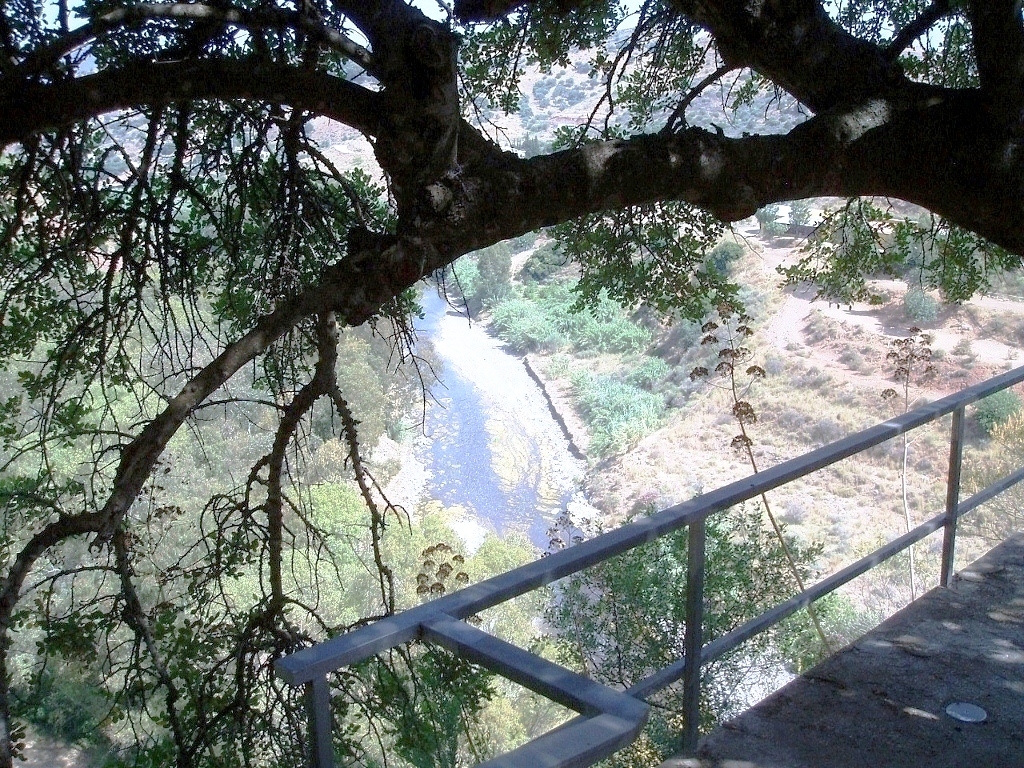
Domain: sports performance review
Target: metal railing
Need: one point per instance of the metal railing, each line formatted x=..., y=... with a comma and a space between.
x=610, y=719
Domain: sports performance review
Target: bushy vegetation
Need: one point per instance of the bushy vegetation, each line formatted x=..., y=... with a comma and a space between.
x=800, y=212
x=543, y=263
x=618, y=413
x=65, y=706
x=620, y=621
x=649, y=373
x=997, y=409
x=723, y=255
x=919, y=306
x=1003, y=516
x=547, y=318
x=769, y=222
x=422, y=705
x=1009, y=283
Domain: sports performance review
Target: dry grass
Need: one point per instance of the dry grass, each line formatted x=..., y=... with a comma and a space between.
x=818, y=391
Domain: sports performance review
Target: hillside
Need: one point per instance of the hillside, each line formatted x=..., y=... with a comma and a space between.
x=827, y=370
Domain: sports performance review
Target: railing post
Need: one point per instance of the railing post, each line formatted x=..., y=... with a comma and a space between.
x=694, y=640
x=318, y=706
x=956, y=455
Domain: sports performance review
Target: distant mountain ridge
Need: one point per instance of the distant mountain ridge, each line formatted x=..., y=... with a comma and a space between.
x=566, y=96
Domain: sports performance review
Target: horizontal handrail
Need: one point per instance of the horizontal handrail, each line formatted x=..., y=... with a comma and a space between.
x=990, y=492
x=727, y=642
x=436, y=621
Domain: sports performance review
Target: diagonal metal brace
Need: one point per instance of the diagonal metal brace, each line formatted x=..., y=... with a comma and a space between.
x=612, y=719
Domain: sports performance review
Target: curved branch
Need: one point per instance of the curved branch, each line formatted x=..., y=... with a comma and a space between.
x=320, y=385
x=486, y=10
x=377, y=269
x=30, y=107
x=914, y=151
x=678, y=114
x=136, y=15
x=793, y=42
x=140, y=456
x=799, y=47
x=385, y=577
x=135, y=617
x=52, y=534
x=10, y=590
x=906, y=36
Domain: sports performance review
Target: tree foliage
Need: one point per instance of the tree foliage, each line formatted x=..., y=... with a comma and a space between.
x=179, y=255
x=1002, y=517
x=626, y=618
x=995, y=410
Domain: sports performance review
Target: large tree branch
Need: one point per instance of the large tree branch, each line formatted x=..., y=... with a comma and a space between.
x=30, y=107
x=319, y=386
x=792, y=42
x=377, y=269
x=417, y=66
x=136, y=15
x=799, y=47
x=998, y=30
x=135, y=617
x=917, y=152
x=486, y=10
x=53, y=533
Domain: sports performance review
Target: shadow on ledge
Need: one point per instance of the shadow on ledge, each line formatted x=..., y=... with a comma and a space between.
x=881, y=702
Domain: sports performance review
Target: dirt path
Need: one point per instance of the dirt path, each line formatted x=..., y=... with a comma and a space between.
x=787, y=330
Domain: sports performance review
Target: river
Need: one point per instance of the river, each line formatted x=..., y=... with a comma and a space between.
x=490, y=446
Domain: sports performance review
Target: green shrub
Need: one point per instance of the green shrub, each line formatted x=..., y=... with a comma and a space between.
x=997, y=409
x=919, y=306
x=525, y=326
x=768, y=220
x=466, y=276
x=542, y=317
x=618, y=414
x=635, y=603
x=542, y=264
x=648, y=373
x=605, y=328
x=66, y=707
x=964, y=348
x=800, y=212
x=495, y=266
x=724, y=254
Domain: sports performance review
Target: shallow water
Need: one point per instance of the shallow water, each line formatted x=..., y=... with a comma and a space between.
x=492, y=446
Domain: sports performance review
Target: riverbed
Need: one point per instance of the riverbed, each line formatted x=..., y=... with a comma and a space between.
x=490, y=447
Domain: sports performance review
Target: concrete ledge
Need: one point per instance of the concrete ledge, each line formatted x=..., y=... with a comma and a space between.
x=880, y=703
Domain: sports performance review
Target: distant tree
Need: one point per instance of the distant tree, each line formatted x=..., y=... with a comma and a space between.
x=531, y=146
x=997, y=409
x=495, y=265
x=626, y=618
x=769, y=222
x=800, y=212
x=1003, y=516
x=724, y=254
x=544, y=262
x=919, y=306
